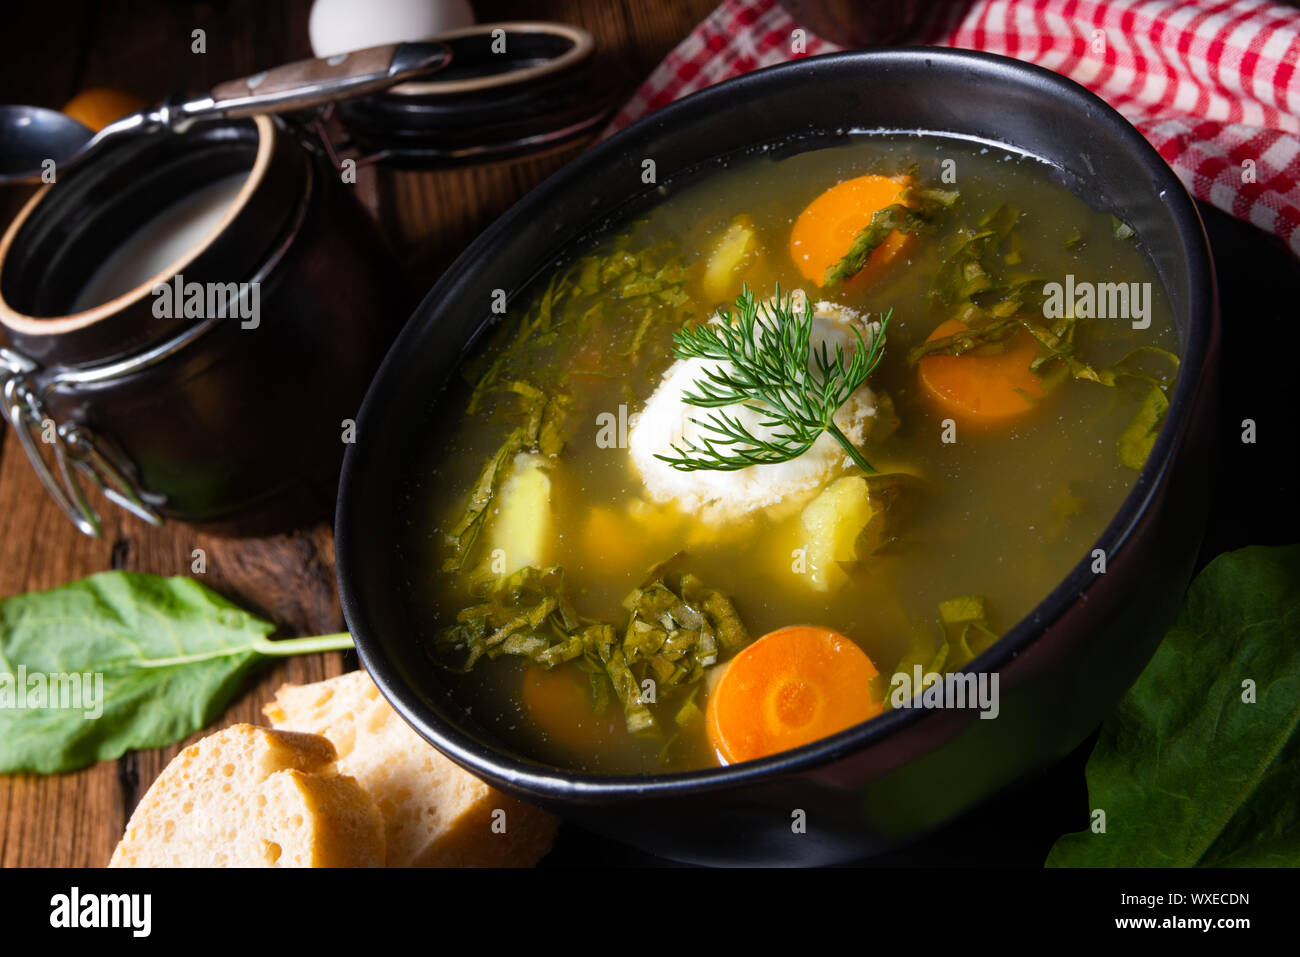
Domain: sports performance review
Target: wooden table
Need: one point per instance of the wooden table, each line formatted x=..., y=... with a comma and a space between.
x=76, y=819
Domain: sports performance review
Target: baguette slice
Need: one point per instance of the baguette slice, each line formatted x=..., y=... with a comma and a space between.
x=253, y=797
x=435, y=813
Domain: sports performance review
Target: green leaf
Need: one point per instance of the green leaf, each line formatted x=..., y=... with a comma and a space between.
x=463, y=535
x=1188, y=770
x=965, y=628
x=918, y=210
x=959, y=343
x=542, y=431
x=1138, y=437
x=883, y=222
x=894, y=498
x=169, y=652
x=923, y=651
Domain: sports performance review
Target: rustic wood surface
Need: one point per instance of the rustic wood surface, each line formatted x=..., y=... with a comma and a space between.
x=76, y=819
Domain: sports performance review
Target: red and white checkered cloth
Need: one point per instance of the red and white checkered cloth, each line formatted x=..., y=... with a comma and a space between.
x=1212, y=84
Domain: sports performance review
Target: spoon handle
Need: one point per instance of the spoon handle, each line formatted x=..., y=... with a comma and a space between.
x=308, y=83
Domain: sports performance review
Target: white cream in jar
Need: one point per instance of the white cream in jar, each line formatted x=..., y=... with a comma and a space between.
x=162, y=242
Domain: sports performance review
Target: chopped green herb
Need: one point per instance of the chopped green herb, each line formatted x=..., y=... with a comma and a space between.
x=972, y=283
x=960, y=343
x=994, y=323
x=526, y=614
x=917, y=210
x=1138, y=437
x=894, y=498
x=541, y=432
x=1128, y=366
x=966, y=629
x=923, y=651
x=465, y=532
x=652, y=281
x=883, y=222
x=677, y=627
x=964, y=633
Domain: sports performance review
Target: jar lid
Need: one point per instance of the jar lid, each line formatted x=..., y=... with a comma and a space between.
x=510, y=89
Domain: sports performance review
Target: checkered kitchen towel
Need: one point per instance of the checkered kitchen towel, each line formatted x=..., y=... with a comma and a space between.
x=1211, y=83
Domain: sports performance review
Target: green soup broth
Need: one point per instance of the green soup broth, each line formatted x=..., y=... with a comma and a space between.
x=1009, y=508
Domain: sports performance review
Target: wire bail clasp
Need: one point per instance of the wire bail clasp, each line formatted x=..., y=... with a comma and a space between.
x=77, y=453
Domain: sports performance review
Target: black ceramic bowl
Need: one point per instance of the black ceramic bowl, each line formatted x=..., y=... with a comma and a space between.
x=1061, y=669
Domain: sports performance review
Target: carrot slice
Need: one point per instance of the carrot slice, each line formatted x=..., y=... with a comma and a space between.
x=825, y=231
x=559, y=701
x=983, y=388
x=790, y=687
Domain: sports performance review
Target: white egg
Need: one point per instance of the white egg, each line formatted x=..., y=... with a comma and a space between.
x=340, y=26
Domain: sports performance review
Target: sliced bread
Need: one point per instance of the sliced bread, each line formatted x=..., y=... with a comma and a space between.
x=435, y=813
x=253, y=797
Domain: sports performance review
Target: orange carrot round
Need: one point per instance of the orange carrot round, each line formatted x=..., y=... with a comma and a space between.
x=559, y=701
x=790, y=687
x=983, y=388
x=825, y=231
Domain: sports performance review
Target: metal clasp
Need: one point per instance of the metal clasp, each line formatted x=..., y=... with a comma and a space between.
x=77, y=453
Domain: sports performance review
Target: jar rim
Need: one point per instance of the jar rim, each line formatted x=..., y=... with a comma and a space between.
x=581, y=47
x=57, y=325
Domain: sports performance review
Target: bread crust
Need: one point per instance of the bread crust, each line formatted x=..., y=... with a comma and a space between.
x=248, y=796
x=436, y=814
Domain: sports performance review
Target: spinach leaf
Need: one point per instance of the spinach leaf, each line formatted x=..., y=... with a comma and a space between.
x=120, y=661
x=462, y=536
x=1196, y=767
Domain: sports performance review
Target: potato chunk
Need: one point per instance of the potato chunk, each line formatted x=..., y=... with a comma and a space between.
x=853, y=518
x=521, y=528
x=736, y=251
x=831, y=523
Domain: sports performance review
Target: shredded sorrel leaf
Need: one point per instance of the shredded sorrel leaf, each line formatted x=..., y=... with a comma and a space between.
x=677, y=627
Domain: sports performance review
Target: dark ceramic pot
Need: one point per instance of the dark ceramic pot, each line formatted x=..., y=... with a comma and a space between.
x=1061, y=669
x=230, y=422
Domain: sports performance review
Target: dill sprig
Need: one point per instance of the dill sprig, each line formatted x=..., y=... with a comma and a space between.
x=771, y=368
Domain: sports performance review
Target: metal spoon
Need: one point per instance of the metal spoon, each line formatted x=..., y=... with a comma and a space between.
x=30, y=135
